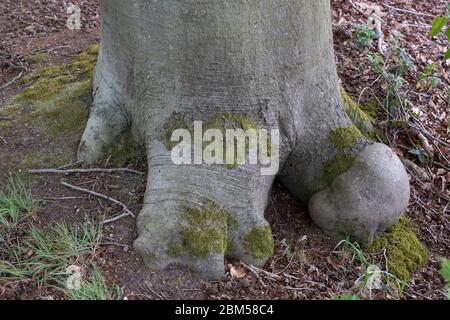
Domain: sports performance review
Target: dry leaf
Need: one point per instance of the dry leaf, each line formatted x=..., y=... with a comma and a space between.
x=237, y=272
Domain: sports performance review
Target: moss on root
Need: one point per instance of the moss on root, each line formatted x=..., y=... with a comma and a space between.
x=259, y=243
x=345, y=137
x=203, y=231
x=174, y=250
x=371, y=108
x=336, y=166
x=360, y=118
x=229, y=120
x=123, y=150
x=221, y=121
x=174, y=122
x=404, y=251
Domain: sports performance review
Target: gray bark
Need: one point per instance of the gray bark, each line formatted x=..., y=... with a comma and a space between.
x=271, y=60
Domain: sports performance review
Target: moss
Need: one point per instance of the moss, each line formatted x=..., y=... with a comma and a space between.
x=345, y=137
x=336, y=166
x=174, y=250
x=398, y=124
x=122, y=151
x=11, y=110
x=404, y=251
x=64, y=113
x=83, y=64
x=47, y=159
x=48, y=72
x=221, y=121
x=361, y=119
x=259, y=243
x=93, y=49
x=371, y=108
x=59, y=95
x=203, y=231
x=54, y=104
x=28, y=78
x=174, y=122
x=229, y=120
x=38, y=57
x=44, y=89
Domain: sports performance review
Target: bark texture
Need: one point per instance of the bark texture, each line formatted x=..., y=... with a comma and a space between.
x=269, y=63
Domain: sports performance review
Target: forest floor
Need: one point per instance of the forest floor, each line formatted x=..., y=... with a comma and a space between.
x=57, y=227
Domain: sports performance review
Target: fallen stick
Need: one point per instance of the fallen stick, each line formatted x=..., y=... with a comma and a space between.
x=12, y=81
x=268, y=274
x=255, y=273
x=125, y=208
x=408, y=11
x=120, y=216
x=69, y=171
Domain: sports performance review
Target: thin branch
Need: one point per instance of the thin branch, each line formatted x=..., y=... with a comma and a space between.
x=120, y=216
x=408, y=11
x=12, y=81
x=69, y=171
x=125, y=208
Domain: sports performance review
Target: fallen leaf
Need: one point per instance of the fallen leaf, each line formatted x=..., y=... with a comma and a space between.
x=237, y=272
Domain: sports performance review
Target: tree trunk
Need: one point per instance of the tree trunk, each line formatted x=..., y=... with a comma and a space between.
x=268, y=63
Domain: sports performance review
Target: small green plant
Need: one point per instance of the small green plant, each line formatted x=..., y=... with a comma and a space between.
x=372, y=277
x=301, y=258
x=346, y=296
x=438, y=25
x=16, y=202
x=364, y=36
x=420, y=154
x=445, y=272
x=429, y=78
x=95, y=288
x=405, y=63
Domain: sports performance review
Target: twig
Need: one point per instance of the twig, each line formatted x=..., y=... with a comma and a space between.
x=264, y=272
x=69, y=165
x=125, y=208
x=45, y=50
x=120, y=216
x=12, y=81
x=297, y=289
x=408, y=11
x=255, y=273
x=68, y=171
x=61, y=198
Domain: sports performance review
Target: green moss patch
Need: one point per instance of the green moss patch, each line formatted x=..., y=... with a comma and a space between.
x=174, y=122
x=371, y=108
x=404, y=251
x=122, y=150
x=227, y=120
x=360, y=118
x=54, y=105
x=345, y=137
x=220, y=121
x=259, y=243
x=336, y=166
x=38, y=57
x=203, y=231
